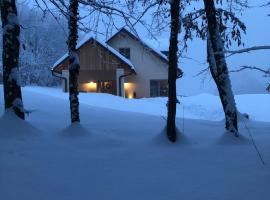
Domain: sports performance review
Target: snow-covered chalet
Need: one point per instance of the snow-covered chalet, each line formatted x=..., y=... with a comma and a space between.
x=124, y=65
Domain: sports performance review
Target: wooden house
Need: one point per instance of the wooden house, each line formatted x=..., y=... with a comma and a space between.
x=124, y=65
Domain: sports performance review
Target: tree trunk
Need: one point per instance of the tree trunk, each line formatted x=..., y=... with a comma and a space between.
x=74, y=63
x=219, y=69
x=172, y=75
x=11, y=49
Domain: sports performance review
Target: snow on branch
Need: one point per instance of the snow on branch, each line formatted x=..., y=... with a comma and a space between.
x=14, y=75
x=74, y=60
x=266, y=72
x=247, y=50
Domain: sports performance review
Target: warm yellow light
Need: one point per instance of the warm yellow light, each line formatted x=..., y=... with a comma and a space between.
x=127, y=86
x=129, y=90
x=90, y=87
x=130, y=96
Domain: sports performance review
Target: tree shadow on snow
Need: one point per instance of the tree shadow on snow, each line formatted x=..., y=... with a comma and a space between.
x=75, y=130
x=80, y=132
x=228, y=138
x=162, y=139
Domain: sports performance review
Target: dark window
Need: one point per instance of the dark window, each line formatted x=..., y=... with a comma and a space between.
x=158, y=88
x=125, y=52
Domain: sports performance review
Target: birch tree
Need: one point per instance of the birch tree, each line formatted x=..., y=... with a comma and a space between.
x=219, y=69
x=221, y=27
x=74, y=63
x=10, y=54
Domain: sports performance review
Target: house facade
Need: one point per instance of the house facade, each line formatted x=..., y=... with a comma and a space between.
x=124, y=65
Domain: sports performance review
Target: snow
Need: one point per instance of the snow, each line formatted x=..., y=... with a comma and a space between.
x=117, y=154
x=12, y=21
x=87, y=38
x=14, y=75
x=203, y=106
x=17, y=103
x=75, y=61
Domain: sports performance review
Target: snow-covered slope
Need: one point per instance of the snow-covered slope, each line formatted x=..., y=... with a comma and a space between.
x=115, y=155
x=202, y=106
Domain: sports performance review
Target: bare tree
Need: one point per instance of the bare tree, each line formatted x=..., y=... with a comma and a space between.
x=173, y=66
x=219, y=27
x=74, y=63
x=219, y=69
x=11, y=49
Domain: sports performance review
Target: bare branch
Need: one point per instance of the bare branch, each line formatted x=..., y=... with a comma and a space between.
x=247, y=50
x=266, y=72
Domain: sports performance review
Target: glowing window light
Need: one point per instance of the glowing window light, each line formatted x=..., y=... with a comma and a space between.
x=90, y=87
x=129, y=89
x=130, y=96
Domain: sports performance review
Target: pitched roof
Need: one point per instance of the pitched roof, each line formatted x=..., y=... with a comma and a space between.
x=88, y=38
x=156, y=52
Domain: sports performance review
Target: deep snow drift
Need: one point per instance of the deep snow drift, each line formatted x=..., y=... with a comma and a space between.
x=202, y=106
x=116, y=155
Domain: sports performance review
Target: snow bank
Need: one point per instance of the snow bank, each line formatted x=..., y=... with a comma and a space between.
x=203, y=106
x=115, y=155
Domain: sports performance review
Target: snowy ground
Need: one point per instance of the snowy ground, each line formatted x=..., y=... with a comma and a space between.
x=203, y=106
x=116, y=155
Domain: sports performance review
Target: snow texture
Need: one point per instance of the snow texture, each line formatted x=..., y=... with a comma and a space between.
x=12, y=21
x=202, y=106
x=75, y=60
x=17, y=103
x=14, y=75
x=116, y=155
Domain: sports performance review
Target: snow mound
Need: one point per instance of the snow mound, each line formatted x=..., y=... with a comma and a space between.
x=84, y=135
x=162, y=140
x=12, y=126
x=74, y=130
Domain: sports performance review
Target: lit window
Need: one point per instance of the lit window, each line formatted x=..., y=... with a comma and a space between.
x=90, y=87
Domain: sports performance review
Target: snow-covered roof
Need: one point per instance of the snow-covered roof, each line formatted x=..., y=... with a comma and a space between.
x=144, y=43
x=86, y=39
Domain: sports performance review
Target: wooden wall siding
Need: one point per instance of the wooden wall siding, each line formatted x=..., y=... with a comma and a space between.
x=94, y=57
x=96, y=75
x=62, y=66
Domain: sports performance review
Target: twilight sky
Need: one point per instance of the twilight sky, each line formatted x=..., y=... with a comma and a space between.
x=258, y=33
